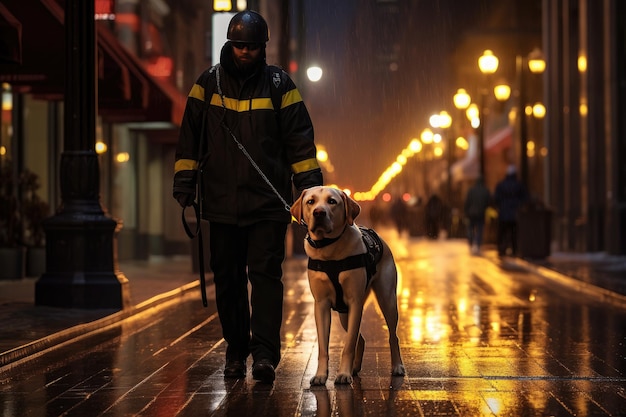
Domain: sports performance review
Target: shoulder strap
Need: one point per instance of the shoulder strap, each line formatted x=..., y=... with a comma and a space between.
x=210, y=85
x=276, y=80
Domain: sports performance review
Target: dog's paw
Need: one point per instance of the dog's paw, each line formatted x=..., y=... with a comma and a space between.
x=343, y=379
x=319, y=380
x=398, y=370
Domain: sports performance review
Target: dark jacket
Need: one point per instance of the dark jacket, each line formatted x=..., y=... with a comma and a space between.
x=280, y=142
x=477, y=201
x=509, y=196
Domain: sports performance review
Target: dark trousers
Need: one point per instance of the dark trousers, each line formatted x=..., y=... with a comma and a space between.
x=253, y=253
x=507, y=237
x=475, y=228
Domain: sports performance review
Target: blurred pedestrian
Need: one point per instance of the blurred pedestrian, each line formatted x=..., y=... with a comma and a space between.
x=232, y=119
x=477, y=201
x=509, y=196
x=399, y=212
x=434, y=211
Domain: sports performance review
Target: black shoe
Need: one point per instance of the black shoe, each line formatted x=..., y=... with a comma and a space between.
x=235, y=369
x=263, y=371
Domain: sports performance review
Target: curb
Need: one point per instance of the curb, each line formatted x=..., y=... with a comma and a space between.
x=603, y=294
x=36, y=348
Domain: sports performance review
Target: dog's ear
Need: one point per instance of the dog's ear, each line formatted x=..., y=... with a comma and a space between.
x=296, y=208
x=352, y=208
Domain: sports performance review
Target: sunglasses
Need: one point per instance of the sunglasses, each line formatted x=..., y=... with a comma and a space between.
x=250, y=46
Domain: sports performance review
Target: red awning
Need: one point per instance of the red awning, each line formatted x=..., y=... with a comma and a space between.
x=126, y=91
x=468, y=168
x=499, y=140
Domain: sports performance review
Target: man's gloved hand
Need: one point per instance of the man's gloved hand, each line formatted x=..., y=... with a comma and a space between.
x=184, y=199
x=184, y=190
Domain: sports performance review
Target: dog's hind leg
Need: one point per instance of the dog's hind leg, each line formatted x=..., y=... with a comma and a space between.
x=386, y=296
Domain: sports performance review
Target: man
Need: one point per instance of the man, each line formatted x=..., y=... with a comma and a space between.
x=232, y=120
x=509, y=196
x=476, y=203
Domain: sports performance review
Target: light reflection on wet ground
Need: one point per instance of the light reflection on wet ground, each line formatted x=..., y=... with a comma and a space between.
x=477, y=339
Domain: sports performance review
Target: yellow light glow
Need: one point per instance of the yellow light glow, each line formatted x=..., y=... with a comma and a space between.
x=528, y=110
x=445, y=120
x=472, y=112
x=539, y=110
x=7, y=101
x=502, y=92
x=462, y=99
x=488, y=62
x=582, y=63
x=322, y=155
x=222, y=5
x=101, y=147
x=3, y=150
x=415, y=145
x=536, y=61
x=426, y=136
x=122, y=157
x=462, y=143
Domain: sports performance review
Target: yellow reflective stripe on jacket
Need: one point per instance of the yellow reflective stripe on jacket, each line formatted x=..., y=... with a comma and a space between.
x=290, y=97
x=197, y=91
x=303, y=166
x=262, y=103
x=242, y=105
x=185, y=165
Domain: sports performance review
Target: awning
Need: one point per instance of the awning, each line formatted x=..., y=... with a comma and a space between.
x=499, y=140
x=42, y=66
x=10, y=37
x=468, y=168
x=126, y=92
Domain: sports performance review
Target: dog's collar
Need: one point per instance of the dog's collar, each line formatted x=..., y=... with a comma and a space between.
x=318, y=244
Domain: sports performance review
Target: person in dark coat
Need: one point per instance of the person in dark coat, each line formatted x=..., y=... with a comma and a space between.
x=243, y=104
x=399, y=212
x=509, y=196
x=434, y=211
x=477, y=201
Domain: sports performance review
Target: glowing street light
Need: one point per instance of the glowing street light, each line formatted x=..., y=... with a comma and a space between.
x=462, y=99
x=488, y=65
x=314, y=73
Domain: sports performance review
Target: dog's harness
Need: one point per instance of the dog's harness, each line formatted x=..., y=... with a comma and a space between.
x=368, y=260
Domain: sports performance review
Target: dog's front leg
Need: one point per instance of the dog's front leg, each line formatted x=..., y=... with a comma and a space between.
x=322, y=320
x=355, y=310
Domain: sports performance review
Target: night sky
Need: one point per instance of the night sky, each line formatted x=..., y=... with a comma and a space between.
x=384, y=75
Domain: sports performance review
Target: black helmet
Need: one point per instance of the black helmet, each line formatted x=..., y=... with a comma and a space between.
x=248, y=26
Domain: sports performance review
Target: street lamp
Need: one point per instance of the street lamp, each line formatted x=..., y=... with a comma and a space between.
x=536, y=65
x=488, y=64
x=462, y=99
x=443, y=121
x=314, y=73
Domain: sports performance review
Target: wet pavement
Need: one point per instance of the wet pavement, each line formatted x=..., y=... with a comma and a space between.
x=479, y=336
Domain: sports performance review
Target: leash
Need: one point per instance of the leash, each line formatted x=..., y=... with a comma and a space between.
x=193, y=235
x=243, y=148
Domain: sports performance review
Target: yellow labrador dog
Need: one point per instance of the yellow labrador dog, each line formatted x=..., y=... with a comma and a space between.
x=346, y=261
